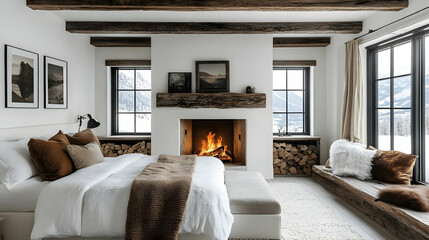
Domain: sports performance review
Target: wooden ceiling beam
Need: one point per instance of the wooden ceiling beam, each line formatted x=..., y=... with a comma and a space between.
x=294, y=63
x=219, y=5
x=121, y=41
x=128, y=63
x=279, y=42
x=213, y=27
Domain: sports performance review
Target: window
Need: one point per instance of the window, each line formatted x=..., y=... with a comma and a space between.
x=131, y=101
x=291, y=100
x=398, y=96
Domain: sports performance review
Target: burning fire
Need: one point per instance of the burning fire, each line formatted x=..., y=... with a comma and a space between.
x=213, y=148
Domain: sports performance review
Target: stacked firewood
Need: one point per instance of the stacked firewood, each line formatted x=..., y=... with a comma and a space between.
x=294, y=159
x=114, y=149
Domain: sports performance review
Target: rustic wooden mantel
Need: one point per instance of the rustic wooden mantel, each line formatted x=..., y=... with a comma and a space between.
x=211, y=100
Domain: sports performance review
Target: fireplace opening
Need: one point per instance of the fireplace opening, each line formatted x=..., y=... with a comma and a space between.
x=223, y=139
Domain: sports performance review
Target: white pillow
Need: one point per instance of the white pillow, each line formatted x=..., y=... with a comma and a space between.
x=351, y=159
x=15, y=163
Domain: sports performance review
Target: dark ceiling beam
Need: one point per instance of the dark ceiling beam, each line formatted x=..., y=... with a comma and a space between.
x=212, y=27
x=279, y=42
x=294, y=63
x=120, y=41
x=128, y=63
x=219, y=5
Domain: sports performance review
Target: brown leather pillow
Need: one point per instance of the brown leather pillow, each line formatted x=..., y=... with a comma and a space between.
x=83, y=138
x=412, y=197
x=393, y=167
x=50, y=157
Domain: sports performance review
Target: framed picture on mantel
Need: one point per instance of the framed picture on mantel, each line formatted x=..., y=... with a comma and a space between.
x=179, y=82
x=212, y=76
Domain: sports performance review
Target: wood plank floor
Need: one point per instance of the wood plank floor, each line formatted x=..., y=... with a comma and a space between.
x=362, y=224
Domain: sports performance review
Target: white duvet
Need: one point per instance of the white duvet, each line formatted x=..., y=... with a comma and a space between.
x=92, y=202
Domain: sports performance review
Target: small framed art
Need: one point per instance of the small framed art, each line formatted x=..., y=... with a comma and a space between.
x=212, y=76
x=56, y=83
x=179, y=82
x=22, y=78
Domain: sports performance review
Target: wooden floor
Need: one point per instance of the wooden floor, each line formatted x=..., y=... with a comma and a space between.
x=367, y=228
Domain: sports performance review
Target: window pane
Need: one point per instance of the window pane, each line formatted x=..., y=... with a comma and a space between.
x=402, y=130
x=126, y=79
x=402, y=91
x=295, y=79
x=295, y=123
x=143, y=101
x=143, y=79
x=383, y=129
x=279, y=101
x=295, y=102
x=143, y=123
x=383, y=92
x=279, y=123
x=402, y=59
x=279, y=79
x=126, y=101
x=383, y=64
x=126, y=123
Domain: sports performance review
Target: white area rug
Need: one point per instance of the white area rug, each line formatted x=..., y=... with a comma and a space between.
x=304, y=216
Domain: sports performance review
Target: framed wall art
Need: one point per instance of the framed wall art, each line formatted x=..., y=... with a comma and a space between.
x=22, y=78
x=212, y=76
x=56, y=83
x=179, y=82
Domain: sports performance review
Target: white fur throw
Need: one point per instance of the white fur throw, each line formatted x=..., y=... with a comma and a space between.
x=351, y=159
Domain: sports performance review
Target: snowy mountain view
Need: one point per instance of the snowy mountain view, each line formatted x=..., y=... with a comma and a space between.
x=128, y=96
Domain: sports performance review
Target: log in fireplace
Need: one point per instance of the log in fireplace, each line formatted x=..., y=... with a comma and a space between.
x=223, y=139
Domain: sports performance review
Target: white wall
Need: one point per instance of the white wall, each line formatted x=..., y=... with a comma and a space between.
x=318, y=81
x=335, y=58
x=250, y=58
x=102, y=80
x=44, y=33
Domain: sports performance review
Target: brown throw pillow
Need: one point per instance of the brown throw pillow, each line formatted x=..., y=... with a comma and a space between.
x=83, y=138
x=85, y=156
x=393, y=167
x=412, y=197
x=50, y=157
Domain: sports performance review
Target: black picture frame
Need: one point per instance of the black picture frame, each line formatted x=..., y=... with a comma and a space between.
x=21, y=91
x=58, y=69
x=212, y=76
x=179, y=82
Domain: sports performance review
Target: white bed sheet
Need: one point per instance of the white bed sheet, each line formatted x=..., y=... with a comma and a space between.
x=22, y=197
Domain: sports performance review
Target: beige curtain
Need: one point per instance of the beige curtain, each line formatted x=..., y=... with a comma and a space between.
x=352, y=117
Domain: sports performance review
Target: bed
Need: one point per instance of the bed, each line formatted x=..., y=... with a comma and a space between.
x=92, y=202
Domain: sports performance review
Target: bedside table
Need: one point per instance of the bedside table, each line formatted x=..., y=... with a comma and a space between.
x=1, y=228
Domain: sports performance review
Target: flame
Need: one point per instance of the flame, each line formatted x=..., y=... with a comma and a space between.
x=210, y=145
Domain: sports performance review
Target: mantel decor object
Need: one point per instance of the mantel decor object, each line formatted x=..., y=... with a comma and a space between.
x=179, y=82
x=212, y=76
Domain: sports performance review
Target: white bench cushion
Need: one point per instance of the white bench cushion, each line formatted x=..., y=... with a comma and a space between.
x=249, y=193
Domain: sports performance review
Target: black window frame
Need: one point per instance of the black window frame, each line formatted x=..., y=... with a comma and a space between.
x=115, y=102
x=306, y=101
x=417, y=39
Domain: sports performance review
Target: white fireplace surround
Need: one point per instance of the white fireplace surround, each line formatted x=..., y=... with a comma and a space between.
x=250, y=58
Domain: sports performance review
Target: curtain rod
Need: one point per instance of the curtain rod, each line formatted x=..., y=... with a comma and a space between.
x=372, y=30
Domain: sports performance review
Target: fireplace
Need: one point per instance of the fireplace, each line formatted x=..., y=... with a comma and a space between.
x=224, y=139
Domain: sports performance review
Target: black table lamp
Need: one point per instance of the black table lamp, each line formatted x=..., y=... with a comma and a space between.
x=92, y=123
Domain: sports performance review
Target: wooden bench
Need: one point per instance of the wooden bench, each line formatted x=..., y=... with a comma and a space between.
x=404, y=223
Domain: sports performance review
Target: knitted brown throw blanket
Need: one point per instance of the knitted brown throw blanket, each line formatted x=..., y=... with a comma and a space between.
x=158, y=198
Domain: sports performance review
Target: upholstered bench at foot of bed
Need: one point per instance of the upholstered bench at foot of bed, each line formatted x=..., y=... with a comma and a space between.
x=255, y=209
